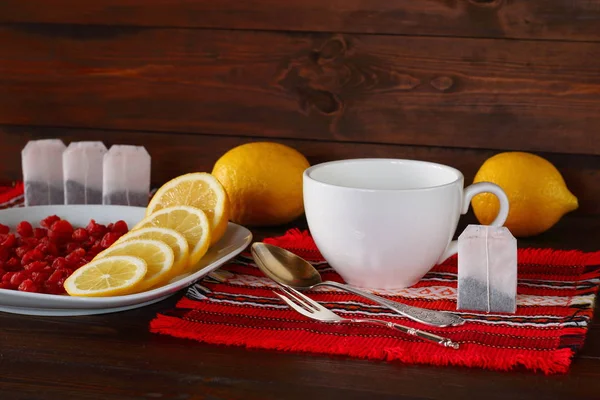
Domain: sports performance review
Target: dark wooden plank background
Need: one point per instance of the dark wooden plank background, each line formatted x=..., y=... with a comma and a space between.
x=548, y=19
x=386, y=89
x=447, y=81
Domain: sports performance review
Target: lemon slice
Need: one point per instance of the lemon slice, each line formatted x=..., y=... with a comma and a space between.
x=190, y=222
x=180, y=247
x=201, y=190
x=110, y=276
x=158, y=256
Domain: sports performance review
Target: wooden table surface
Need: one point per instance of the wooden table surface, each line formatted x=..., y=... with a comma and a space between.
x=114, y=357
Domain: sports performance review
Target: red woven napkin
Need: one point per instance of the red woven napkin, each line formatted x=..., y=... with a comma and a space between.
x=556, y=293
x=11, y=194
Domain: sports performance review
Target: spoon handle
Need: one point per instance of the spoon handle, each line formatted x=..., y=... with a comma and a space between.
x=422, y=315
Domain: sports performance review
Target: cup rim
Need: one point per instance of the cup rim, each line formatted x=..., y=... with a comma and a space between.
x=307, y=174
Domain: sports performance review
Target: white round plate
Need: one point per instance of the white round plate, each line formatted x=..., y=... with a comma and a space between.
x=235, y=240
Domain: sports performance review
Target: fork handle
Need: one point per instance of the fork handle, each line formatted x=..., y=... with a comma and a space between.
x=422, y=315
x=411, y=331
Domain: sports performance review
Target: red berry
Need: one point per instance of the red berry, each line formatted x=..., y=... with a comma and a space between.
x=60, y=263
x=95, y=229
x=109, y=239
x=10, y=241
x=55, y=276
x=40, y=233
x=18, y=277
x=36, y=266
x=5, y=285
x=48, y=221
x=7, y=276
x=71, y=247
x=96, y=248
x=39, y=277
x=42, y=248
x=12, y=264
x=88, y=243
x=4, y=229
x=52, y=249
x=32, y=255
x=30, y=242
x=61, y=231
x=47, y=249
x=80, y=235
x=120, y=227
x=55, y=237
x=24, y=229
x=63, y=227
x=74, y=258
x=4, y=255
x=28, y=286
x=52, y=287
x=20, y=251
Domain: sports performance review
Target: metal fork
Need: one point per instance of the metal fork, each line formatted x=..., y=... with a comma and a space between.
x=311, y=309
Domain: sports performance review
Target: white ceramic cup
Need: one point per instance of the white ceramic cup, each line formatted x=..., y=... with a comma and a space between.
x=384, y=223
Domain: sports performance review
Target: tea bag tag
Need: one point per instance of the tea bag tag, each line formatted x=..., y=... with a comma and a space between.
x=487, y=269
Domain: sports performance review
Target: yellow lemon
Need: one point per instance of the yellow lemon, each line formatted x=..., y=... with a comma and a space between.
x=171, y=237
x=536, y=191
x=200, y=190
x=263, y=181
x=157, y=255
x=110, y=276
x=192, y=223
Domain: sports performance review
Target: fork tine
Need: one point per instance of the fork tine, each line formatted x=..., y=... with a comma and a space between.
x=298, y=298
x=307, y=299
x=295, y=306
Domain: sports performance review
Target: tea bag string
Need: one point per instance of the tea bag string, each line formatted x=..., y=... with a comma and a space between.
x=487, y=267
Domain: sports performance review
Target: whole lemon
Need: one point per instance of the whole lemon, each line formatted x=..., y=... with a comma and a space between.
x=264, y=183
x=537, y=193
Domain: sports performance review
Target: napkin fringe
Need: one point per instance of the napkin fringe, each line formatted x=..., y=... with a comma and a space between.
x=471, y=355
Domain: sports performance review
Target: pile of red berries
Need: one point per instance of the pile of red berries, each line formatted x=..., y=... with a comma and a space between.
x=40, y=259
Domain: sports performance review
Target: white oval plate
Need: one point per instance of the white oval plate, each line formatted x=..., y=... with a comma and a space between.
x=235, y=240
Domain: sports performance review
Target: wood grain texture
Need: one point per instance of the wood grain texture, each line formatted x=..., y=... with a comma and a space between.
x=549, y=19
x=175, y=154
x=114, y=357
x=537, y=96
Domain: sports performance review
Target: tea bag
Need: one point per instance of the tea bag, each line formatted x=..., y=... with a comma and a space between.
x=82, y=170
x=43, y=172
x=126, y=176
x=487, y=269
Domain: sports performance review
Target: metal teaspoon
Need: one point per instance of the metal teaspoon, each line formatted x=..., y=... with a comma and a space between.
x=288, y=269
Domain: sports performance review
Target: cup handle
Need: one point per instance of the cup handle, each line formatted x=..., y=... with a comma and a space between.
x=468, y=193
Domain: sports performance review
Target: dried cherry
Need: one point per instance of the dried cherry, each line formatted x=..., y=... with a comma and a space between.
x=24, y=229
x=49, y=221
x=109, y=239
x=4, y=229
x=28, y=286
